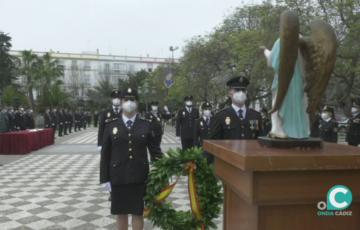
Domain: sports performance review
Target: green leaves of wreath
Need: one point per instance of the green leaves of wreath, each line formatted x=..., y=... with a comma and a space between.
x=208, y=189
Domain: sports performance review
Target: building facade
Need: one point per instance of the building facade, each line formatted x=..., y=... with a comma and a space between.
x=83, y=71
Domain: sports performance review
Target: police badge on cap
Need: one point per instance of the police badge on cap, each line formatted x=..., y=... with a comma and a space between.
x=239, y=82
x=130, y=93
x=115, y=93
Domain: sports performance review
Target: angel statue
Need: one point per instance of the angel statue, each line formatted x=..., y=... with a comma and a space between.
x=303, y=66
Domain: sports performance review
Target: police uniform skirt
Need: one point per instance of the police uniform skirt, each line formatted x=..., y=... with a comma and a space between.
x=128, y=199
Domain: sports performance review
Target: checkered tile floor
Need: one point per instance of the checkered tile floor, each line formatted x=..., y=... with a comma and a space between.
x=57, y=188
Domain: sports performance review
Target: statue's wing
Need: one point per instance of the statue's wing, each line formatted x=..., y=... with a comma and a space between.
x=289, y=44
x=319, y=54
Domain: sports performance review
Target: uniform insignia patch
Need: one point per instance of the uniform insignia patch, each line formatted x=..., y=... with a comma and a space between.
x=201, y=124
x=184, y=113
x=115, y=130
x=129, y=90
x=158, y=119
x=108, y=114
x=227, y=120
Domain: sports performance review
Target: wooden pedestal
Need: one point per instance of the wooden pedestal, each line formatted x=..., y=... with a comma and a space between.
x=278, y=189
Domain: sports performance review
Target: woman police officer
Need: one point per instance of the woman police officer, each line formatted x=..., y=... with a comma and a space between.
x=124, y=163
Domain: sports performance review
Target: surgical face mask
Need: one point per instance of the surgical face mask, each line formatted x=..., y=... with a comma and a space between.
x=239, y=97
x=325, y=115
x=116, y=101
x=129, y=106
x=154, y=108
x=354, y=110
x=188, y=103
x=207, y=113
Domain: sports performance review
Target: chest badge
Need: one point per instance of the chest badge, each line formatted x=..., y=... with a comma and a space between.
x=184, y=113
x=158, y=119
x=201, y=124
x=108, y=114
x=227, y=120
x=115, y=130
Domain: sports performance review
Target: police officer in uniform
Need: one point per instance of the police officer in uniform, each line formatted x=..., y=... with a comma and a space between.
x=54, y=120
x=328, y=126
x=238, y=121
x=47, y=118
x=70, y=119
x=124, y=165
x=11, y=118
x=353, y=135
x=185, y=123
x=61, y=121
x=202, y=128
x=96, y=119
x=109, y=115
x=20, y=119
x=77, y=121
x=155, y=119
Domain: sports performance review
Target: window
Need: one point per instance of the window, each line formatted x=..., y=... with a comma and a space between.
x=74, y=65
x=87, y=66
x=116, y=68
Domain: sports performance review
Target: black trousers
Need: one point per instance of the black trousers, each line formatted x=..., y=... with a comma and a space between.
x=65, y=129
x=187, y=143
x=61, y=127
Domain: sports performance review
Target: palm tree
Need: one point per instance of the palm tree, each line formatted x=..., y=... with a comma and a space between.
x=101, y=93
x=29, y=69
x=47, y=79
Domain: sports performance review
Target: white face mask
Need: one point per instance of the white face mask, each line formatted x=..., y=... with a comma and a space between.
x=154, y=108
x=188, y=103
x=325, y=115
x=354, y=110
x=207, y=113
x=239, y=97
x=116, y=101
x=129, y=106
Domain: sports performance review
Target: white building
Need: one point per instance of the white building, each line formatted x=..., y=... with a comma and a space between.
x=83, y=71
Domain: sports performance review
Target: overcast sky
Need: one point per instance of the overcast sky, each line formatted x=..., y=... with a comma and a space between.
x=122, y=27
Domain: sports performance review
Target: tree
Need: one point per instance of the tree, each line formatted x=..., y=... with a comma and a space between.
x=48, y=72
x=13, y=97
x=100, y=95
x=344, y=17
x=29, y=69
x=7, y=62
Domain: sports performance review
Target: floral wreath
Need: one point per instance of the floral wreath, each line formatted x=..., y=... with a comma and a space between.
x=203, y=187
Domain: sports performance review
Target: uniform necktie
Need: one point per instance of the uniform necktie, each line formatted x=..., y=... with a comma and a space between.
x=129, y=124
x=116, y=110
x=207, y=121
x=240, y=114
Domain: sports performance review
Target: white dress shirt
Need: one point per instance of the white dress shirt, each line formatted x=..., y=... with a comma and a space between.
x=236, y=108
x=125, y=119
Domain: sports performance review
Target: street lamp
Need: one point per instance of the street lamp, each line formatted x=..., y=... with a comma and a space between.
x=172, y=49
x=168, y=79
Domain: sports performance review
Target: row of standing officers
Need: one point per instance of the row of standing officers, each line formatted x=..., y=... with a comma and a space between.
x=64, y=120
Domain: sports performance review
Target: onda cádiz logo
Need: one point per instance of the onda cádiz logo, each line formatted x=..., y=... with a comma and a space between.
x=339, y=198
